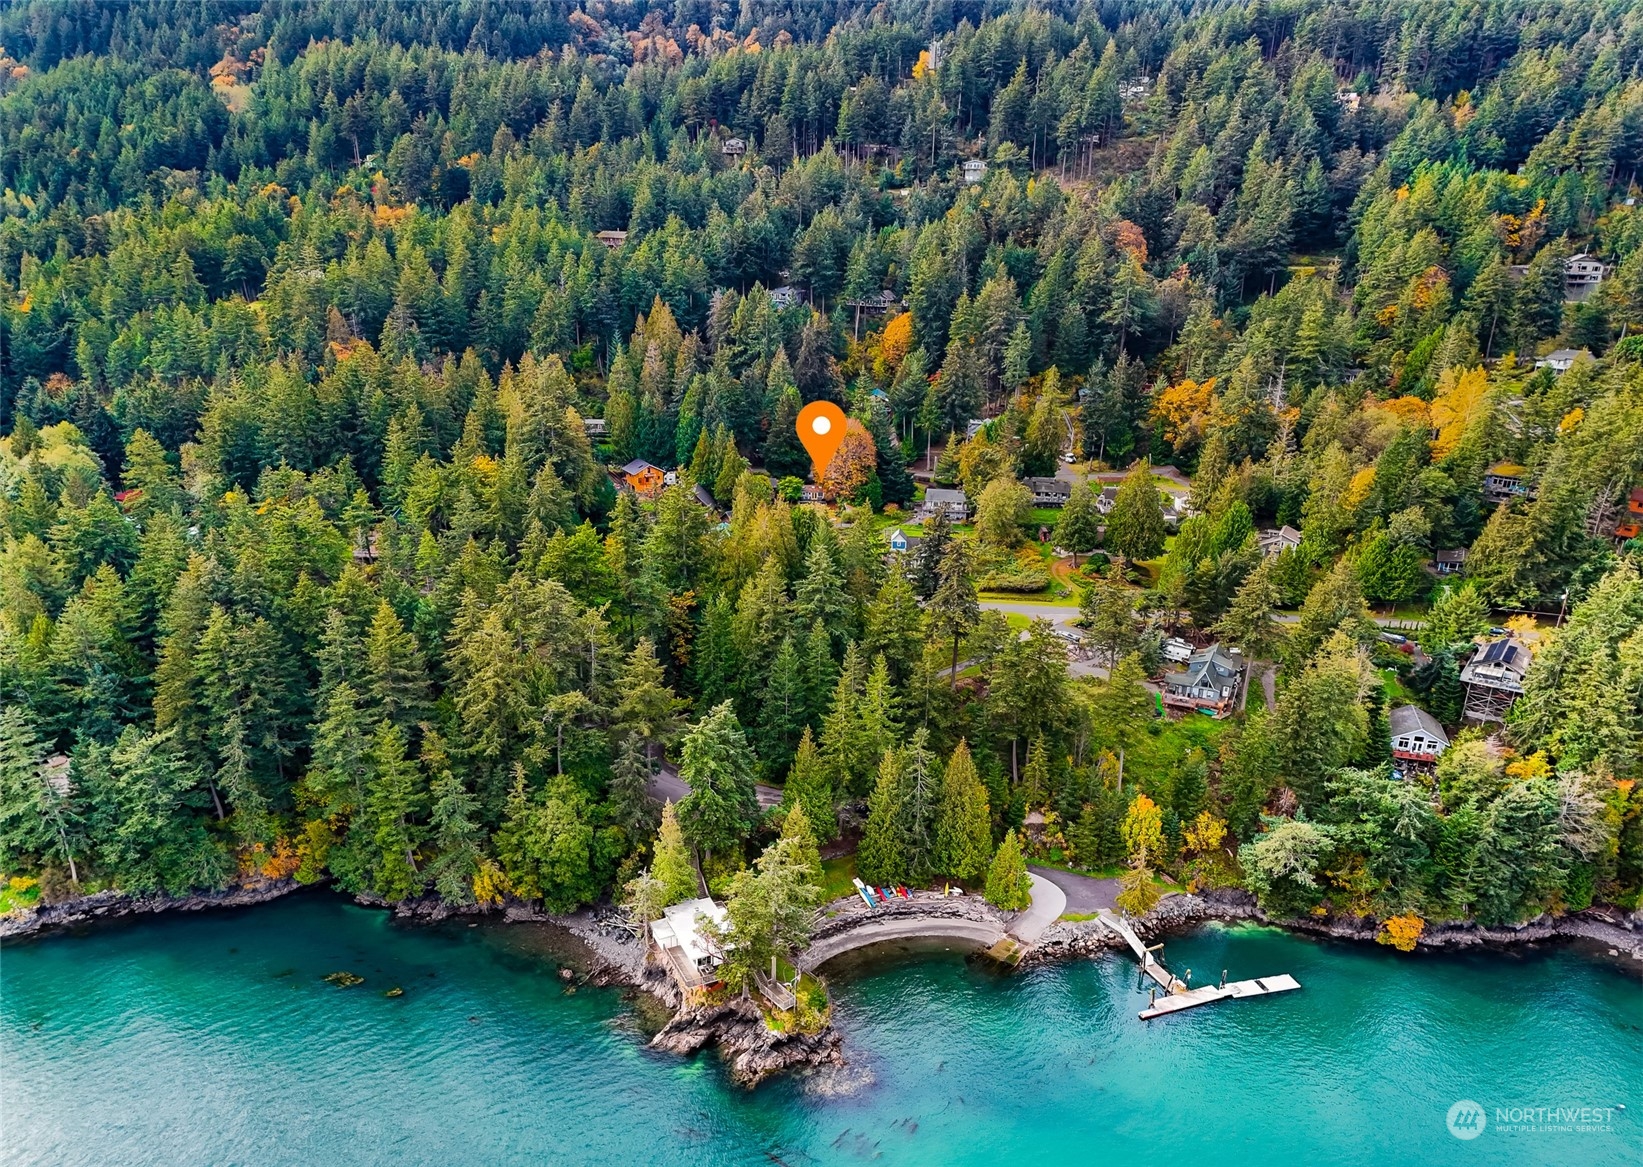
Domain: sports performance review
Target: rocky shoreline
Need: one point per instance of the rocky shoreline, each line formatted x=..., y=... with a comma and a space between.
x=114, y=905
x=752, y=1051
x=1621, y=932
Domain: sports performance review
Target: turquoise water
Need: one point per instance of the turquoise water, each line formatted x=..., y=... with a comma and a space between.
x=212, y=1039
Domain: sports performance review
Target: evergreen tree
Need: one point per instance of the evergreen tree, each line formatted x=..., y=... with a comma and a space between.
x=883, y=859
x=954, y=609
x=964, y=839
x=718, y=767
x=808, y=786
x=1008, y=887
x=1135, y=529
x=1079, y=527
x=670, y=864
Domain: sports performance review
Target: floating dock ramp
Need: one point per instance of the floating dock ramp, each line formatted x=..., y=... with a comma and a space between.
x=1177, y=995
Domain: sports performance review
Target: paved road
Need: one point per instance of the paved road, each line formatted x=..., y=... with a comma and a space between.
x=666, y=786
x=1054, y=613
x=1083, y=894
x=1048, y=903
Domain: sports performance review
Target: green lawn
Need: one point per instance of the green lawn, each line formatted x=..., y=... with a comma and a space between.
x=1396, y=693
x=836, y=877
x=1154, y=761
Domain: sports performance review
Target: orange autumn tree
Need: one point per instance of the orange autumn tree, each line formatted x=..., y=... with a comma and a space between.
x=853, y=463
x=894, y=344
x=1401, y=932
x=1183, y=409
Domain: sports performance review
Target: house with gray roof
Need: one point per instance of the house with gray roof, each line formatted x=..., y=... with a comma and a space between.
x=1417, y=737
x=1209, y=684
x=953, y=503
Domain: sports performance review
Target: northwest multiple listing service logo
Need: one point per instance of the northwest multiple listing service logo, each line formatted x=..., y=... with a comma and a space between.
x=1467, y=1120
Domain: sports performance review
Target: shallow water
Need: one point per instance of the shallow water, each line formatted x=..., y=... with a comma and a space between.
x=213, y=1039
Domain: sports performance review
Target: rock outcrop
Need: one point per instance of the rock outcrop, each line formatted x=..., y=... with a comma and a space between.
x=751, y=1049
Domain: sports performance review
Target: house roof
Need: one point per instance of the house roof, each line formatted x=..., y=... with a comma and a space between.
x=1410, y=718
x=940, y=496
x=1563, y=354
x=1507, y=470
x=678, y=928
x=1207, y=668
x=704, y=496
x=1505, y=660
x=637, y=466
x=1458, y=555
x=1049, y=486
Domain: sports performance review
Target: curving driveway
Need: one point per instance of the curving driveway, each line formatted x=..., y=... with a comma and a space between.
x=1084, y=894
x=1049, y=901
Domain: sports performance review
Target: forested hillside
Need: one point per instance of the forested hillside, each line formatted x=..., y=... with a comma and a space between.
x=313, y=566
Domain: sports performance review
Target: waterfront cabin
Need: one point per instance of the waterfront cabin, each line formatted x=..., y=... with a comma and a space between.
x=733, y=148
x=1493, y=679
x=973, y=427
x=1417, y=738
x=1209, y=684
x=688, y=949
x=952, y=503
x=594, y=427
x=974, y=171
x=612, y=240
x=785, y=297
x=1050, y=492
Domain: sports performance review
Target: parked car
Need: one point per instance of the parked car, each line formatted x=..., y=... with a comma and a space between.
x=1394, y=638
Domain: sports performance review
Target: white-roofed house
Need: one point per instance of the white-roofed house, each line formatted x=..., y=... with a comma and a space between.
x=690, y=951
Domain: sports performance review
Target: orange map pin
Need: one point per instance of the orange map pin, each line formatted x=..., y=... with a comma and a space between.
x=821, y=429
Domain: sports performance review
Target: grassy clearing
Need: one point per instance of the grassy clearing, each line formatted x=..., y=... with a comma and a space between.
x=836, y=877
x=1157, y=758
x=1396, y=692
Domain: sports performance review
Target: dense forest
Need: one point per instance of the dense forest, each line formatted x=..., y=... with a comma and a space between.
x=313, y=567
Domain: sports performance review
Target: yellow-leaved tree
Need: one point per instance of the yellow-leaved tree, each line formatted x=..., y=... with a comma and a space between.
x=1401, y=932
x=1462, y=396
x=1143, y=834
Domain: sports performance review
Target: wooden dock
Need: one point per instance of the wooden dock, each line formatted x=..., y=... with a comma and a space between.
x=1177, y=996
x=1191, y=998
